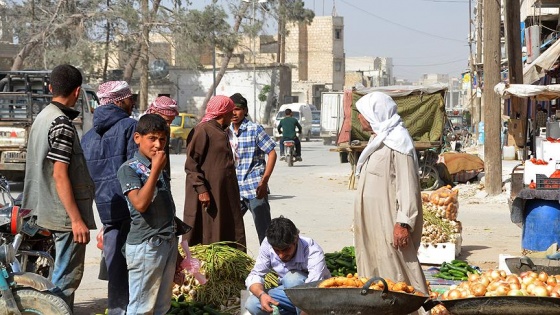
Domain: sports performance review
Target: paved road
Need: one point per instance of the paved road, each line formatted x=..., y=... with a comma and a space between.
x=314, y=195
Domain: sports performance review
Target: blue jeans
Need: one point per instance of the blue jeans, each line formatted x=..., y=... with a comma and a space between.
x=151, y=267
x=260, y=209
x=114, y=239
x=291, y=279
x=68, y=266
x=297, y=143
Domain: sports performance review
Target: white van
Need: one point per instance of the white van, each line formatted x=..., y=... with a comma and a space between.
x=301, y=112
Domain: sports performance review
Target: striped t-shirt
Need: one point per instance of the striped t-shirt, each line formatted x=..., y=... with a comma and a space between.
x=61, y=138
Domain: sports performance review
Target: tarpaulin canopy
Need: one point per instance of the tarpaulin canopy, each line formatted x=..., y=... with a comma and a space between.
x=537, y=69
x=404, y=90
x=422, y=109
x=540, y=92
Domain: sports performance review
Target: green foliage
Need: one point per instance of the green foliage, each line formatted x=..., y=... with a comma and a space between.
x=51, y=32
x=264, y=92
x=295, y=11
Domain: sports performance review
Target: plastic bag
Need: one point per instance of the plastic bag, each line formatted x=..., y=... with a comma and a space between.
x=191, y=264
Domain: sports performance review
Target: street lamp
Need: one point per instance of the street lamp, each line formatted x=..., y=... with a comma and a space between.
x=254, y=3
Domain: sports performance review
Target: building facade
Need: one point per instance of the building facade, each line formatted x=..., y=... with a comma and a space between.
x=369, y=71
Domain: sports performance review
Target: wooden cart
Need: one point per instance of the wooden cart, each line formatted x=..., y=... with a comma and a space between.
x=422, y=109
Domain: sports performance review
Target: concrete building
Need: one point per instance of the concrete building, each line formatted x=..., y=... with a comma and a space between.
x=315, y=53
x=369, y=71
x=432, y=78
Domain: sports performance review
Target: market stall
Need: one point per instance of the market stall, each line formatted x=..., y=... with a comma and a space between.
x=536, y=182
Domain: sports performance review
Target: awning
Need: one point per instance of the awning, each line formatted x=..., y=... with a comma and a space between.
x=537, y=69
x=540, y=92
x=403, y=90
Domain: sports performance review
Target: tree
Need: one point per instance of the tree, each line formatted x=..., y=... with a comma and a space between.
x=286, y=10
x=137, y=40
x=227, y=46
x=51, y=32
x=290, y=11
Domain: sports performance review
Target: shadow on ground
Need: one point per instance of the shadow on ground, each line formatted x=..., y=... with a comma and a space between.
x=469, y=250
x=279, y=197
x=93, y=307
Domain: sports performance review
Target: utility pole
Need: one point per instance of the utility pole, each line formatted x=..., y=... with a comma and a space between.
x=513, y=40
x=144, y=56
x=254, y=64
x=281, y=56
x=492, y=120
x=477, y=115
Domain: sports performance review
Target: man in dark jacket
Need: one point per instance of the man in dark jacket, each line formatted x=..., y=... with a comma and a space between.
x=106, y=146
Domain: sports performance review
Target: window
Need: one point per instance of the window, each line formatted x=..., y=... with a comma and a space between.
x=337, y=33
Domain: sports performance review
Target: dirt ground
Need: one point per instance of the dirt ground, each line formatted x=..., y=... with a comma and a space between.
x=314, y=194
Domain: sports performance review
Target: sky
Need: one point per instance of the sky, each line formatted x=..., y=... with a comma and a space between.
x=421, y=36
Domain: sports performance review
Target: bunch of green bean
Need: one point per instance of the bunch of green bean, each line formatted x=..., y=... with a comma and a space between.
x=225, y=268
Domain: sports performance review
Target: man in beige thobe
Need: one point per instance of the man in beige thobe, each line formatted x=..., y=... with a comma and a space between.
x=388, y=207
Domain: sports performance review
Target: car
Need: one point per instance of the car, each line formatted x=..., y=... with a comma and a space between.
x=180, y=128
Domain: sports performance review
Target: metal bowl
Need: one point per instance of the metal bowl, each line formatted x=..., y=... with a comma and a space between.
x=334, y=301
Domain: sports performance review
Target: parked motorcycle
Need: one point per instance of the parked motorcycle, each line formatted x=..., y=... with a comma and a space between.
x=21, y=293
x=35, y=244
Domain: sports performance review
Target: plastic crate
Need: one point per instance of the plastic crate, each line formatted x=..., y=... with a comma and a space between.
x=545, y=183
x=438, y=253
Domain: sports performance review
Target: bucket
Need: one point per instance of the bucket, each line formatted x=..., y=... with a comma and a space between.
x=541, y=226
x=509, y=153
x=520, y=153
x=517, y=180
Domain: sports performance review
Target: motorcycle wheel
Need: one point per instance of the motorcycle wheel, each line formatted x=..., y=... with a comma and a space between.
x=429, y=177
x=290, y=157
x=32, y=302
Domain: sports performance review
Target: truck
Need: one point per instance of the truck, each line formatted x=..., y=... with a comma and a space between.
x=332, y=115
x=301, y=112
x=23, y=94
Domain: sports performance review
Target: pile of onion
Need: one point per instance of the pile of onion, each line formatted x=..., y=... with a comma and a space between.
x=497, y=283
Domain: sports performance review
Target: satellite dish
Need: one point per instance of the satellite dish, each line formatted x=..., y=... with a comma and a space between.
x=159, y=69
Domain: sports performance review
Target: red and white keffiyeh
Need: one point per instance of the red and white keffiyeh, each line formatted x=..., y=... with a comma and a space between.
x=163, y=105
x=112, y=91
x=217, y=106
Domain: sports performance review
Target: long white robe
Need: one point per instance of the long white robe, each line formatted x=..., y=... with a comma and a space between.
x=388, y=192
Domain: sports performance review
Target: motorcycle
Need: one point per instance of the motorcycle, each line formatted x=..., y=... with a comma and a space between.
x=21, y=292
x=36, y=247
x=290, y=146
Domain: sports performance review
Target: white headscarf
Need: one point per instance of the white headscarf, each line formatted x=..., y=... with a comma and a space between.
x=380, y=111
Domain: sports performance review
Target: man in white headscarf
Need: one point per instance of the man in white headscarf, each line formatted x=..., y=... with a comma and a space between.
x=388, y=207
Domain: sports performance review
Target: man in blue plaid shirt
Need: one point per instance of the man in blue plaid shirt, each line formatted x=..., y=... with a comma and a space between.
x=252, y=144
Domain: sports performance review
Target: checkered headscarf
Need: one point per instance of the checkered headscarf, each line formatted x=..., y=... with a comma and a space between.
x=112, y=91
x=218, y=105
x=163, y=105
